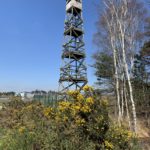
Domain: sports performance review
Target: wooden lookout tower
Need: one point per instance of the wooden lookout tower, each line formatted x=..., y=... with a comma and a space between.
x=73, y=73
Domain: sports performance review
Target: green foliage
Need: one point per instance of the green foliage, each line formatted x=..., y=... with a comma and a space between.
x=104, y=70
x=81, y=123
x=141, y=79
x=103, y=65
x=7, y=93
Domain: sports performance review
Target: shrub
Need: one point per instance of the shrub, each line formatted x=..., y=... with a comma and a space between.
x=80, y=123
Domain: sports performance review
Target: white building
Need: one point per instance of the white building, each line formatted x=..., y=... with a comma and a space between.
x=26, y=96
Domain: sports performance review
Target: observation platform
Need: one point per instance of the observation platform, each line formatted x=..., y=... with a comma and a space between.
x=73, y=31
x=74, y=6
x=73, y=55
x=73, y=79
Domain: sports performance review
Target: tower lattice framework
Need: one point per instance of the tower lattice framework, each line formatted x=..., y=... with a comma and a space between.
x=73, y=73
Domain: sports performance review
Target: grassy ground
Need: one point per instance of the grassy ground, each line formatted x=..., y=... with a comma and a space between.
x=2, y=101
x=143, y=131
x=0, y=106
x=145, y=143
x=144, y=135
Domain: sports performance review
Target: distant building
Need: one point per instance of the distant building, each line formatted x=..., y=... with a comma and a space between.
x=26, y=96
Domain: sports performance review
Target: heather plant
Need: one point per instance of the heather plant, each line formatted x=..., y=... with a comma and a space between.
x=81, y=123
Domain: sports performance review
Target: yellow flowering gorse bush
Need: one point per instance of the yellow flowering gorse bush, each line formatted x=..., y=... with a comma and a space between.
x=48, y=111
x=82, y=121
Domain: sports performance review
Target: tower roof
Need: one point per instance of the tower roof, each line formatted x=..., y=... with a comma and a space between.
x=74, y=5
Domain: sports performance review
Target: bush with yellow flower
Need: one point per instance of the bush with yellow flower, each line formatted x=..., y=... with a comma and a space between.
x=82, y=122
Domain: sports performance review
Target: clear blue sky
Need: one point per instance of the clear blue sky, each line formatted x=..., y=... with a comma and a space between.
x=31, y=38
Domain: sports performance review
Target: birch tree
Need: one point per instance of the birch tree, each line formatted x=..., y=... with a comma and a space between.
x=120, y=25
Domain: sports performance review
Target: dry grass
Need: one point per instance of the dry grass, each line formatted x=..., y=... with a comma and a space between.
x=143, y=132
x=144, y=135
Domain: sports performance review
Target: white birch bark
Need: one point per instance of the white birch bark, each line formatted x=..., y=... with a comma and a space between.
x=121, y=24
x=112, y=42
x=122, y=100
x=126, y=104
x=117, y=88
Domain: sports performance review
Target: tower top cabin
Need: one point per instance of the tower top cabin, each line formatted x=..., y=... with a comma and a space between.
x=77, y=4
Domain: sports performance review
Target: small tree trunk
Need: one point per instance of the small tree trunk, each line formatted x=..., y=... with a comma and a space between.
x=126, y=103
x=117, y=88
x=122, y=100
x=117, y=81
x=130, y=86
